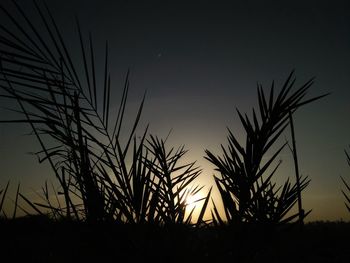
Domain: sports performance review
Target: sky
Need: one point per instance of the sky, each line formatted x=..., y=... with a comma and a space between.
x=198, y=61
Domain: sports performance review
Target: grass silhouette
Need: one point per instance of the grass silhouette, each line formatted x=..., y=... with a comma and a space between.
x=172, y=184
x=3, y=193
x=70, y=116
x=245, y=183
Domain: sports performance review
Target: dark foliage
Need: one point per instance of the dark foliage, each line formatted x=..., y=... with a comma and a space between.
x=103, y=176
x=347, y=191
x=245, y=183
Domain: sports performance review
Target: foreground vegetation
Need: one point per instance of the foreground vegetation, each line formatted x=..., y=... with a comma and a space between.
x=105, y=177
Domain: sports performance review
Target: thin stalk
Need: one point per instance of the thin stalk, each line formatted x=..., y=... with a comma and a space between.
x=295, y=157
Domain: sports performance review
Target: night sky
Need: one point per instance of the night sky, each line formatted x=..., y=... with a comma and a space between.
x=198, y=61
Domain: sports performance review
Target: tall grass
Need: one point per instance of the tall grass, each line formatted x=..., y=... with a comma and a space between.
x=62, y=107
x=103, y=176
x=3, y=197
x=106, y=177
x=3, y=193
x=173, y=183
x=246, y=184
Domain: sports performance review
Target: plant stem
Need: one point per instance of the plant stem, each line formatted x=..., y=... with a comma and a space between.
x=295, y=157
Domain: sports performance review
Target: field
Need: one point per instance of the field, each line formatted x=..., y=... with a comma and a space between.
x=37, y=239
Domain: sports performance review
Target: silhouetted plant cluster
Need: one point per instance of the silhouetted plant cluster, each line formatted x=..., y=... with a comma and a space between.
x=79, y=138
x=245, y=184
x=107, y=177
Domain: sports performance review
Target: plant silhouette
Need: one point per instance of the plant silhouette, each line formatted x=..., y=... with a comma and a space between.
x=245, y=183
x=70, y=116
x=345, y=193
x=173, y=181
x=3, y=193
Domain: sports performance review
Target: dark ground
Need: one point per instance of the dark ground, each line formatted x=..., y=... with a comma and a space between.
x=41, y=240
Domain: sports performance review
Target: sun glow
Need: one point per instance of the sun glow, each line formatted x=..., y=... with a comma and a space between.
x=195, y=203
x=191, y=202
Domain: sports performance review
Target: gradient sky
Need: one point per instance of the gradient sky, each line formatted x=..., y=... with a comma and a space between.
x=198, y=60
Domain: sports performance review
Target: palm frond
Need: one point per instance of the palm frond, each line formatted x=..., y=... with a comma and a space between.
x=71, y=110
x=247, y=194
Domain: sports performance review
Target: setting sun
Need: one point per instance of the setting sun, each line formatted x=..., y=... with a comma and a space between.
x=194, y=204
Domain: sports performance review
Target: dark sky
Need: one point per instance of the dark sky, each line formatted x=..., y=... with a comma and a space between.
x=198, y=60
